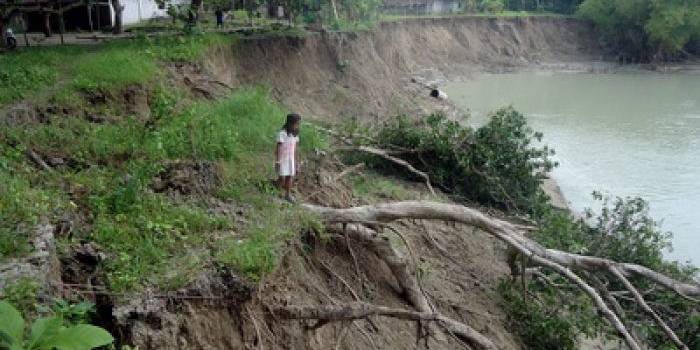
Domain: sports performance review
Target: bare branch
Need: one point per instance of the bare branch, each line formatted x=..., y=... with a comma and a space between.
x=500, y=229
x=640, y=300
x=398, y=161
x=559, y=261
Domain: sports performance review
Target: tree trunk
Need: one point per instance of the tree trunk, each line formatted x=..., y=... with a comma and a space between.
x=47, y=24
x=88, y=6
x=61, y=22
x=335, y=10
x=117, y=28
x=25, y=26
x=195, y=7
x=563, y=263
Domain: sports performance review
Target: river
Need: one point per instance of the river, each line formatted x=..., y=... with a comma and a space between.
x=629, y=133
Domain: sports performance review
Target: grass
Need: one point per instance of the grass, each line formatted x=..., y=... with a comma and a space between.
x=22, y=203
x=22, y=294
x=113, y=65
x=149, y=238
x=145, y=234
x=373, y=187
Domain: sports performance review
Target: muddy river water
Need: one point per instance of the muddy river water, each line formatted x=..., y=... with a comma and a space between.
x=630, y=133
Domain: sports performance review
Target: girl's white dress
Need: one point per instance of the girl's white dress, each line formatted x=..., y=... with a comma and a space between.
x=288, y=145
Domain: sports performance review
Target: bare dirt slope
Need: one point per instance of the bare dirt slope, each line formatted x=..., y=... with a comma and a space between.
x=370, y=75
x=461, y=283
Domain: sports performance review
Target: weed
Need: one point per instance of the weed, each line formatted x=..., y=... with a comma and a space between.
x=22, y=294
x=374, y=187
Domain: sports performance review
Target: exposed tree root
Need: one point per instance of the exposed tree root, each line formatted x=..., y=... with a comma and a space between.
x=356, y=311
x=558, y=261
x=398, y=161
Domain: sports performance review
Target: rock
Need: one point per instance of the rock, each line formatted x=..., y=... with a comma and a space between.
x=20, y=114
x=55, y=161
x=41, y=266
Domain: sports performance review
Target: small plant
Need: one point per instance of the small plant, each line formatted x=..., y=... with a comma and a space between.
x=22, y=294
x=539, y=327
x=73, y=314
x=47, y=333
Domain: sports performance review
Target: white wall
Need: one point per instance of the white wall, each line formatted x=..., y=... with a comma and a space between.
x=445, y=6
x=136, y=11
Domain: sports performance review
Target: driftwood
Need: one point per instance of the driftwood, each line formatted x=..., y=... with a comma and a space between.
x=561, y=262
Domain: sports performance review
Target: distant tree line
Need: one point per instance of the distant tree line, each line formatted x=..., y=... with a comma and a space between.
x=558, y=6
x=646, y=30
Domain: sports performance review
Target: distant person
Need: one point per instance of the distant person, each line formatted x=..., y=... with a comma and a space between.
x=286, y=155
x=440, y=95
x=219, y=17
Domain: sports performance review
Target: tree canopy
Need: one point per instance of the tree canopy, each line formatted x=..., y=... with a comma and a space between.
x=645, y=30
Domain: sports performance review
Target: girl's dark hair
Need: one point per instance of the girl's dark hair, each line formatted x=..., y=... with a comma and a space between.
x=292, y=119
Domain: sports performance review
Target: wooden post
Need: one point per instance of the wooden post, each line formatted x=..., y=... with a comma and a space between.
x=97, y=13
x=88, y=5
x=335, y=10
x=47, y=24
x=61, y=24
x=25, y=25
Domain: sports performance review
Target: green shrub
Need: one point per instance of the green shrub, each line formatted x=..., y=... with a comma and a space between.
x=539, y=324
x=498, y=164
x=22, y=294
x=240, y=14
x=47, y=333
x=624, y=231
x=492, y=6
x=22, y=204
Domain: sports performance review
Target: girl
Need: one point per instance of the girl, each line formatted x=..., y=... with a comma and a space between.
x=285, y=154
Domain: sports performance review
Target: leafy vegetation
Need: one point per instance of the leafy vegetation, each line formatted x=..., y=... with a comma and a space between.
x=374, y=187
x=22, y=294
x=498, y=164
x=145, y=233
x=503, y=164
x=540, y=322
x=644, y=30
x=37, y=70
x=624, y=231
x=47, y=333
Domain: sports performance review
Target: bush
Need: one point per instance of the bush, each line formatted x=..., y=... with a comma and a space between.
x=492, y=6
x=540, y=325
x=47, y=333
x=624, y=231
x=497, y=164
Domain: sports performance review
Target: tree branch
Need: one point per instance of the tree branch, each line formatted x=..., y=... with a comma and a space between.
x=398, y=161
x=559, y=261
x=640, y=300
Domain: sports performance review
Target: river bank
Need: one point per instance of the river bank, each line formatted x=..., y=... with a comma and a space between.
x=171, y=216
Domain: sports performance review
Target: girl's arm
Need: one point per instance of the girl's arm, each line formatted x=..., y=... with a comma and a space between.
x=277, y=152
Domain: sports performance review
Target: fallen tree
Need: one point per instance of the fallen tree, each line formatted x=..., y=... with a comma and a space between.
x=358, y=221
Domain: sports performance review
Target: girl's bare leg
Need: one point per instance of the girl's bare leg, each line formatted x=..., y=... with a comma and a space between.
x=289, y=181
x=281, y=182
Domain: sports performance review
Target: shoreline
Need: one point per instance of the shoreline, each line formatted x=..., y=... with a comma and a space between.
x=553, y=190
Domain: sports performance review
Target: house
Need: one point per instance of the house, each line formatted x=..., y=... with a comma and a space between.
x=422, y=7
x=79, y=15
